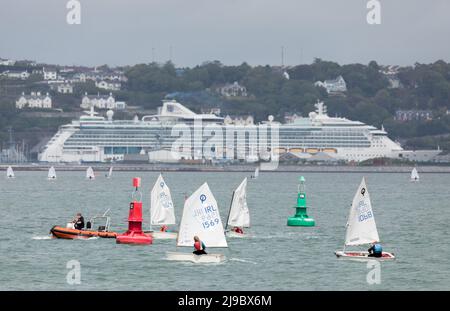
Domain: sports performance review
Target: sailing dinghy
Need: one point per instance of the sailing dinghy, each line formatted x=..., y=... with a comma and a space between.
x=10, y=173
x=361, y=227
x=256, y=173
x=109, y=172
x=414, y=175
x=90, y=173
x=239, y=215
x=51, y=174
x=200, y=218
x=162, y=212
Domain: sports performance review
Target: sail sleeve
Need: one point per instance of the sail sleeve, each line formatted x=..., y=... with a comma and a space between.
x=161, y=205
x=201, y=218
x=361, y=226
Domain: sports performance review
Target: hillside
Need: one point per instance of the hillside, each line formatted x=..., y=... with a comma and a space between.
x=374, y=94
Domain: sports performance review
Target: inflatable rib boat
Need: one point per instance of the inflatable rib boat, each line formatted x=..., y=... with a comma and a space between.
x=69, y=233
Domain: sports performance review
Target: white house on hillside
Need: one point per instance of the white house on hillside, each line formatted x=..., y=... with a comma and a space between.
x=23, y=75
x=50, y=75
x=98, y=101
x=108, y=85
x=238, y=120
x=34, y=100
x=7, y=62
x=62, y=87
x=337, y=85
x=232, y=90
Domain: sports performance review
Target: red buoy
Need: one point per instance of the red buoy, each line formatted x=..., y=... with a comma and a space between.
x=134, y=234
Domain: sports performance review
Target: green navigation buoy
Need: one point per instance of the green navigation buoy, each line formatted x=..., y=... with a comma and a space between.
x=301, y=218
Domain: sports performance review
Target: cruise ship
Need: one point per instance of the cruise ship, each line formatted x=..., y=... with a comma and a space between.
x=95, y=138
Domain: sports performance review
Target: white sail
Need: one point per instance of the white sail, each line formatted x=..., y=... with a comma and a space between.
x=161, y=204
x=110, y=172
x=414, y=174
x=201, y=218
x=90, y=173
x=256, y=172
x=51, y=173
x=239, y=214
x=10, y=172
x=361, y=227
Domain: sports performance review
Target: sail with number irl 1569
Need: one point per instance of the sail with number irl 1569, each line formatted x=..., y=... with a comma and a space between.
x=361, y=226
x=201, y=218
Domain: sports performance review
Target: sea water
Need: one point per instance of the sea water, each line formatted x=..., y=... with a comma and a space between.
x=412, y=218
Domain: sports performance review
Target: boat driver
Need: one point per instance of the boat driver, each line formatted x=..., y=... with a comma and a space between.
x=375, y=250
x=78, y=221
x=199, y=247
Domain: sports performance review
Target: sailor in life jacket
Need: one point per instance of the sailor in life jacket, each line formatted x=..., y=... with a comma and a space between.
x=375, y=250
x=199, y=246
x=164, y=228
x=78, y=222
x=238, y=230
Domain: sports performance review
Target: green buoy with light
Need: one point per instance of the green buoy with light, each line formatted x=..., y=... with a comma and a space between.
x=301, y=218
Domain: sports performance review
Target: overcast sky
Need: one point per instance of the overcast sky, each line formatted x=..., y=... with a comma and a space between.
x=125, y=32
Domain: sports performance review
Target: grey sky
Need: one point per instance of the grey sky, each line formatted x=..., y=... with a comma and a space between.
x=119, y=32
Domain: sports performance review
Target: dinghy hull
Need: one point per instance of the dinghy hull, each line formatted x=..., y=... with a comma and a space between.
x=209, y=258
x=233, y=234
x=363, y=255
x=159, y=235
x=71, y=234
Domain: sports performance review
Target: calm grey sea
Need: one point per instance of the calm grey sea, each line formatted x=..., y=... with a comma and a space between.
x=413, y=222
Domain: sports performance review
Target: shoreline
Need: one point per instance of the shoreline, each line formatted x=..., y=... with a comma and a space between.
x=229, y=168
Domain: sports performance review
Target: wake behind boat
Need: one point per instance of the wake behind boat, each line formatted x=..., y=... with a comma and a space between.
x=361, y=228
x=201, y=218
x=238, y=215
x=162, y=211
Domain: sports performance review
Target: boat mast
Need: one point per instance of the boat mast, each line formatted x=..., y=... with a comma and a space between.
x=229, y=211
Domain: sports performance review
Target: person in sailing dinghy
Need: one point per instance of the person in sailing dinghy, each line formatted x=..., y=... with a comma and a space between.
x=164, y=228
x=375, y=250
x=238, y=230
x=199, y=247
x=78, y=221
